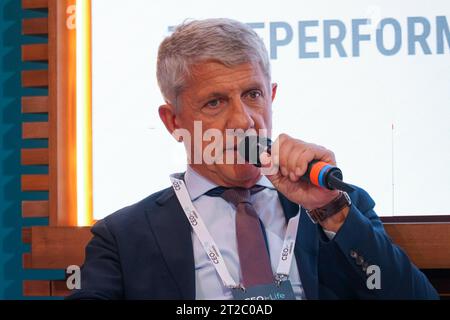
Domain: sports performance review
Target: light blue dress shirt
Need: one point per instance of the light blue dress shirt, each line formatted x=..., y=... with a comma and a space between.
x=219, y=217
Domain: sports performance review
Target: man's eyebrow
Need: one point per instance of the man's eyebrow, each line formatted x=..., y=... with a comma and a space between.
x=255, y=85
x=218, y=94
x=212, y=95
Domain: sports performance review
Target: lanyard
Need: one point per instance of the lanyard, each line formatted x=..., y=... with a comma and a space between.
x=212, y=250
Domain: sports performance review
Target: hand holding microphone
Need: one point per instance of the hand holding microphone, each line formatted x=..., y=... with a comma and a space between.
x=307, y=173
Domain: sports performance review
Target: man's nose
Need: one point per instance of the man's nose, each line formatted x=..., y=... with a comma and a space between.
x=240, y=117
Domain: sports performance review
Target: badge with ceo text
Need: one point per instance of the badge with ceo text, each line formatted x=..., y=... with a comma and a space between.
x=272, y=291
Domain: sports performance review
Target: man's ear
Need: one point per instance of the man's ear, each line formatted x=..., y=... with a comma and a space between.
x=274, y=90
x=168, y=116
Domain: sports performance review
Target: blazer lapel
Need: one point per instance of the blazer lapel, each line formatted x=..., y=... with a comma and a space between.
x=173, y=235
x=306, y=247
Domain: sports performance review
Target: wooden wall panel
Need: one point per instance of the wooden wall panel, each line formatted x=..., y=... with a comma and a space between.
x=35, y=130
x=35, y=26
x=34, y=78
x=54, y=47
x=34, y=182
x=59, y=288
x=26, y=234
x=427, y=245
x=37, y=156
x=34, y=209
x=36, y=288
x=58, y=247
x=51, y=248
x=26, y=260
x=34, y=4
x=35, y=52
x=36, y=104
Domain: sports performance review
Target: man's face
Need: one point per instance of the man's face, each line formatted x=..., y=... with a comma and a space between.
x=225, y=98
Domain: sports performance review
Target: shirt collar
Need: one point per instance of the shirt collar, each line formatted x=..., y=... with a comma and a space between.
x=198, y=185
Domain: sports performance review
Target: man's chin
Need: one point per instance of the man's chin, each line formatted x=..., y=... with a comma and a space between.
x=244, y=175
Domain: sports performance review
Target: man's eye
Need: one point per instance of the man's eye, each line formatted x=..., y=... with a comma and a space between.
x=213, y=103
x=254, y=94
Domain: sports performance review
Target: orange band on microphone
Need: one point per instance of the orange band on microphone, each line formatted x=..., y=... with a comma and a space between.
x=315, y=171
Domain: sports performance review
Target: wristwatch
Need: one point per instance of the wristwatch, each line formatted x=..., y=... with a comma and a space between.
x=318, y=215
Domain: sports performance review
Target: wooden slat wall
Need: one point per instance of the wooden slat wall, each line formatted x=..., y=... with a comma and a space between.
x=58, y=247
x=26, y=234
x=35, y=52
x=428, y=245
x=34, y=182
x=34, y=4
x=35, y=209
x=36, y=156
x=26, y=260
x=35, y=26
x=36, y=288
x=34, y=78
x=35, y=130
x=35, y=104
x=52, y=103
x=42, y=288
x=59, y=288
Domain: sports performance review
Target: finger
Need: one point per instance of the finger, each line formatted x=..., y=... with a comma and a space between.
x=287, y=146
x=323, y=154
x=330, y=157
x=293, y=157
x=314, y=152
x=303, y=161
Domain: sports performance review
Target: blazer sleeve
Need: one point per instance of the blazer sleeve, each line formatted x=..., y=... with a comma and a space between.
x=101, y=275
x=364, y=242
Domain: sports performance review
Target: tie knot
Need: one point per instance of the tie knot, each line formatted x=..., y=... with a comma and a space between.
x=239, y=195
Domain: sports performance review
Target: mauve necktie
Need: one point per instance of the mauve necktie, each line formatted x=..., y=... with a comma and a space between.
x=253, y=256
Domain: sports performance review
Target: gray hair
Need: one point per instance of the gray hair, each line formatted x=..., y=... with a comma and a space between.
x=224, y=40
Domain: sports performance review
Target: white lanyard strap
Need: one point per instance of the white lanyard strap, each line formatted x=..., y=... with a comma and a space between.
x=212, y=250
x=287, y=252
x=202, y=232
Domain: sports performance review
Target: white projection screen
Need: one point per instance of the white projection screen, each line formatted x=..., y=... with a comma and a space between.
x=369, y=80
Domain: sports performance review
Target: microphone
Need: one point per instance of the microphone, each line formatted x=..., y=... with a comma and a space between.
x=319, y=173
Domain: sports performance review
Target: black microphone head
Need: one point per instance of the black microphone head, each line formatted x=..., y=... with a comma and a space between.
x=251, y=147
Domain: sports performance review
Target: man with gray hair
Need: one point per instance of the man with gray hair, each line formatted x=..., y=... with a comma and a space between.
x=227, y=229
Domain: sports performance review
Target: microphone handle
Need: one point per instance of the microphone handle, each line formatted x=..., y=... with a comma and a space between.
x=325, y=175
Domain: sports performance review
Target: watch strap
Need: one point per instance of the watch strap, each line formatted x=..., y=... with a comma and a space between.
x=330, y=209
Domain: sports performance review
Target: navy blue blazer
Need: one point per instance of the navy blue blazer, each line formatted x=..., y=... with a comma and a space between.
x=144, y=251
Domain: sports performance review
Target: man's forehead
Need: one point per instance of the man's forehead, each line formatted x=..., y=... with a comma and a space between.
x=212, y=75
x=211, y=65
